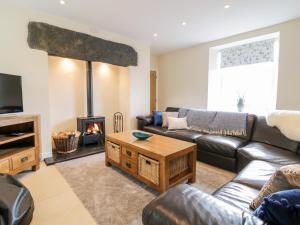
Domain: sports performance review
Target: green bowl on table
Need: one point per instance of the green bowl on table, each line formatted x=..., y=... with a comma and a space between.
x=141, y=135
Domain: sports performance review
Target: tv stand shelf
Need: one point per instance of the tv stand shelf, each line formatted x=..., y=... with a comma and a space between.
x=20, y=152
x=4, y=139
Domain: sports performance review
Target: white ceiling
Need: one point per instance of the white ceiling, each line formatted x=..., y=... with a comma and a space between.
x=206, y=20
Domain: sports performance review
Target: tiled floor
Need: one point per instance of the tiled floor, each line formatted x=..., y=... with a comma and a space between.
x=55, y=202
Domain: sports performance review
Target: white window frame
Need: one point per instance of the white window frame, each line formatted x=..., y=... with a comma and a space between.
x=214, y=77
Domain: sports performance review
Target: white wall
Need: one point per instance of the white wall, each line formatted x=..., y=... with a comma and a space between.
x=17, y=58
x=124, y=96
x=106, y=92
x=154, y=62
x=184, y=73
x=67, y=92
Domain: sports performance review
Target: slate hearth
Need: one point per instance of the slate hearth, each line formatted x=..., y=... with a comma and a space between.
x=91, y=141
x=81, y=152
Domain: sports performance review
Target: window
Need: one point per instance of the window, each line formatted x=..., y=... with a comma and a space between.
x=243, y=75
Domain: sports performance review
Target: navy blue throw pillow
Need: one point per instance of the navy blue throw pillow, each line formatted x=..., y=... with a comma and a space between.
x=157, y=118
x=281, y=208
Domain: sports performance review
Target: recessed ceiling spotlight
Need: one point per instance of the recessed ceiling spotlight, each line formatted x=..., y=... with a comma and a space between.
x=155, y=35
x=62, y=2
x=183, y=23
x=226, y=6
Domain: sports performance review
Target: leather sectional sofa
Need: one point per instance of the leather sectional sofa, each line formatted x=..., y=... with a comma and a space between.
x=234, y=153
x=255, y=157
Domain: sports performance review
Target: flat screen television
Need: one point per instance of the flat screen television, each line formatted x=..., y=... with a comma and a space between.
x=11, y=100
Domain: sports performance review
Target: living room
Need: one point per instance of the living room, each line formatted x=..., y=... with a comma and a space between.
x=211, y=87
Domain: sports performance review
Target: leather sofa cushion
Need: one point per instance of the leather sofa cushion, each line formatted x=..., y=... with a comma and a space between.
x=256, y=174
x=217, y=160
x=272, y=136
x=185, y=135
x=155, y=129
x=237, y=195
x=269, y=153
x=222, y=145
x=187, y=205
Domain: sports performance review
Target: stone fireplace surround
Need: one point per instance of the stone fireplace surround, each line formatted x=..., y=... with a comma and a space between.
x=33, y=66
x=66, y=43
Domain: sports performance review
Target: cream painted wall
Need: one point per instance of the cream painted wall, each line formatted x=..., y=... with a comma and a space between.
x=139, y=88
x=17, y=58
x=124, y=96
x=67, y=91
x=184, y=73
x=106, y=92
x=154, y=62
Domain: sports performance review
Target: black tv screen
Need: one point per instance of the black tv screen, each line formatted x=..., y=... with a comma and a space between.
x=11, y=100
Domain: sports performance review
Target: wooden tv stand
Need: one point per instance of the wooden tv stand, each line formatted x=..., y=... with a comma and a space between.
x=19, y=143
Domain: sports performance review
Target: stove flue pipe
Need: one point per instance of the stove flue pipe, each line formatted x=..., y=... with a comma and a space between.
x=89, y=89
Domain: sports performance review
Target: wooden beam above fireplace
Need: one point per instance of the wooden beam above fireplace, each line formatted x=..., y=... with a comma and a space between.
x=61, y=42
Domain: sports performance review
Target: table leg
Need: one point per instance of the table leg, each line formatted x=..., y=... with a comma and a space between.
x=192, y=162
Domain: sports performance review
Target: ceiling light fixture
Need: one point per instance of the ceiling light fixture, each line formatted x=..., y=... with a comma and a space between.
x=226, y=6
x=155, y=35
x=183, y=24
x=62, y=2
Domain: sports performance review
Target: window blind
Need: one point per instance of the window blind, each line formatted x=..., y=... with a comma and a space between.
x=251, y=53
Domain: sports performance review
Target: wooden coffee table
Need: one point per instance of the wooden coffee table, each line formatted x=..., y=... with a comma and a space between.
x=160, y=162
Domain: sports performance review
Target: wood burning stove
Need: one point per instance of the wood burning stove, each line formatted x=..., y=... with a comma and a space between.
x=92, y=130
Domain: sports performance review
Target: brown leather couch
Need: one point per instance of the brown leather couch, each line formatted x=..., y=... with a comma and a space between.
x=187, y=205
x=234, y=153
x=255, y=157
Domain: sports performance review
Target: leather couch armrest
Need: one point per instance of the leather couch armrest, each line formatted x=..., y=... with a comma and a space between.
x=186, y=205
x=144, y=121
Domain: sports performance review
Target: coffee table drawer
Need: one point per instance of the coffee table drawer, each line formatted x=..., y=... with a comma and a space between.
x=129, y=165
x=129, y=154
x=113, y=151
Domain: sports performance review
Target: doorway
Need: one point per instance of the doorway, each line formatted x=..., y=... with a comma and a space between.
x=153, y=89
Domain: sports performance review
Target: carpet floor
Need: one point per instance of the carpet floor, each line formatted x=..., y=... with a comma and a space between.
x=114, y=198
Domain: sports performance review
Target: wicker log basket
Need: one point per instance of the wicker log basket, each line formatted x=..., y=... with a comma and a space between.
x=66, y=142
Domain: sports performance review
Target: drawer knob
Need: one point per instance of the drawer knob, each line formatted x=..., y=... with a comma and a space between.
x=128, y=153
x=128, y=165
x=24, y=159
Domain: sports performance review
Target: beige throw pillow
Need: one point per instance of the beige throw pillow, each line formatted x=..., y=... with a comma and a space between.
x=165, y=116
x=287, y=177
x=177, y=123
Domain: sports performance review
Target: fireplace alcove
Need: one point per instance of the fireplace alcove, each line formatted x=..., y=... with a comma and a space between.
x=119, y=56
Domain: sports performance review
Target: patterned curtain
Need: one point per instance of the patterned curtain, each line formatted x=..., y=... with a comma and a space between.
x=252, y=53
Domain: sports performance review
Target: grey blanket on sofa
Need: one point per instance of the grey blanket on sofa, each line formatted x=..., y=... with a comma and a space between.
x=212, y=122
x=229, y=123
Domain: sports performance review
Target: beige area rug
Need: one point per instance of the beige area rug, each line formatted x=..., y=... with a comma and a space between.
x=114, y=198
